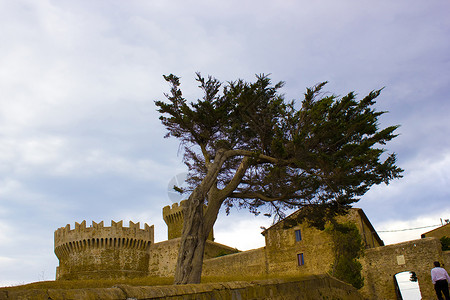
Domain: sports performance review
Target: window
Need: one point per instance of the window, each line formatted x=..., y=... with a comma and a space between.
x=300, y=259
x=298, y=235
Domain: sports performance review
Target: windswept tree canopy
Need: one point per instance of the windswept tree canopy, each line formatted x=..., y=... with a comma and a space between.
x=245, y=145
x=326, y=151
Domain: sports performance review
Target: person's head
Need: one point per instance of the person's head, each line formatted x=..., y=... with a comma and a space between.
x=437, y=264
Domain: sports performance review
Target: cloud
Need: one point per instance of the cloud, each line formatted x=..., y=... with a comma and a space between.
x=244, y=233
x=396, y=231
x=421, y=191
x=80, y=136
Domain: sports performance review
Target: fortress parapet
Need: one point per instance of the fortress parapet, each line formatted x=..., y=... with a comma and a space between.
x=103, y=252
x=174, y=218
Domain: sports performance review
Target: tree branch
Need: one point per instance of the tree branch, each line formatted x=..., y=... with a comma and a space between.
x=263, y=197
x=262, y=157
x=217, y=196
x=206, y=155
x=235, y=181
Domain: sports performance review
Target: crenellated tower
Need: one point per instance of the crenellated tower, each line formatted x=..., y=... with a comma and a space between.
x=103, y=252
x=174, y=218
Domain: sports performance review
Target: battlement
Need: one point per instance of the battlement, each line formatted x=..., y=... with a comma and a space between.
x=99, y=236
x=105, y=252
x=174, y=218
x=174, y=213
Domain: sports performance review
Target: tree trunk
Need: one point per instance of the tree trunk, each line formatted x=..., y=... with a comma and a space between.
x=193, y=239
x=197, y=225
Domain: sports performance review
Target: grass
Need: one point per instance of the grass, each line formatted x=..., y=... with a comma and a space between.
x=98, y=283
x=142, y=281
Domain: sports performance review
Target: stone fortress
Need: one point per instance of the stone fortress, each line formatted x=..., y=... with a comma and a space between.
x=102, y=252
x=98, y=252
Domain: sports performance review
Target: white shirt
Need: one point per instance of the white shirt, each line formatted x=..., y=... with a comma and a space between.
x=439, y=274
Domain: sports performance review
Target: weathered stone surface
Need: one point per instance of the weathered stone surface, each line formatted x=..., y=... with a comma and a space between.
x=103, y=252
x=125, y=252
x=88, y=294
x=311, y=288
x=381, y=264
x=250, y=263
x=173, y=216
x=282, y=248
x=116, y=251
x=163, y=256
x=72, y=294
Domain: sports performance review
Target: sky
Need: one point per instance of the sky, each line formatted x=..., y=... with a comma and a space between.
x=80, y=137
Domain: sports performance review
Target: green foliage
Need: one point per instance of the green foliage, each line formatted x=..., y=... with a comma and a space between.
x=245, y=145
x=348, y=247
x=324, y=152
x=445, y=242
x=413, y=277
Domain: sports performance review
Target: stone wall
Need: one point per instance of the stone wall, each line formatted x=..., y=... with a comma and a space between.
x=368, y=234
x=315, y=246
x=381, y=264
x=213, y=249
x=282, y=250
x=102, y=252
x=117, y=251
x=310, y=288
x=163, y=256
x=248, y=264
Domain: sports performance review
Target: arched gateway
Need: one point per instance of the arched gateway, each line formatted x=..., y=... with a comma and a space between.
x=381, y=264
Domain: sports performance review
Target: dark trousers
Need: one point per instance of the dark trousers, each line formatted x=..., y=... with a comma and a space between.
x=441, y=286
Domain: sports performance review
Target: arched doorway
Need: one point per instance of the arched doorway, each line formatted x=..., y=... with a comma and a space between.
x=407, y=286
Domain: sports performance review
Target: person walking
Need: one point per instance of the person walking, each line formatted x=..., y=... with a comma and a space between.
x=440, y=279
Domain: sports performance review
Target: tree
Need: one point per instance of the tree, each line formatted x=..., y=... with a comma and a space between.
x=445, y=243
x=245, y=145
x=347, y=247
x=413, y=277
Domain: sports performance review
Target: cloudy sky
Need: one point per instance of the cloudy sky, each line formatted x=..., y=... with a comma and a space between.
x=80, y=138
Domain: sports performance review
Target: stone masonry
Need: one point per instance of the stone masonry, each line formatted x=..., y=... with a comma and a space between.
x=103, y=252
x=117, y=251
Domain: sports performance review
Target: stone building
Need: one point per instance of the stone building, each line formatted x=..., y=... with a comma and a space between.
x=102, y=252
x=114, y=252
x=439, y=232
x=304, y=249
x=97, y=252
